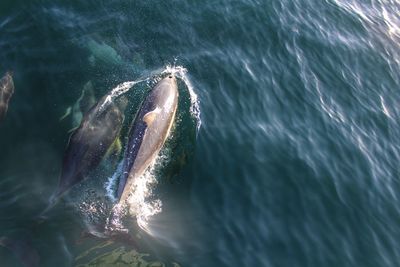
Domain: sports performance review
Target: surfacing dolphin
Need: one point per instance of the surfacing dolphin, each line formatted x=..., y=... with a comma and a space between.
x=148, y=133
x=88, y=144
x=6, y=91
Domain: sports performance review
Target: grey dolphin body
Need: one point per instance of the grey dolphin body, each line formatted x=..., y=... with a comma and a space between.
x=6, y=91
x=148, y=133
x=89, y=142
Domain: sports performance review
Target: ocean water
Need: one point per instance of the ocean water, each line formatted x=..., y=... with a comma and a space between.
x=285, y=153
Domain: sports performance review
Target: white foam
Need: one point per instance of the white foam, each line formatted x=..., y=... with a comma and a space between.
x=114, y=221
x=140, y=200
x=120, y=89
x=110, y=185
x=179, y=71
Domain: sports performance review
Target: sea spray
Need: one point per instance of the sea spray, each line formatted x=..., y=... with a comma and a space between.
x=110, y=185
x=120, y=89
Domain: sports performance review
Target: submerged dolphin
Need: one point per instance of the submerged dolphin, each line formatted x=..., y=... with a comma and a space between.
x=81, y=106
x=89, y=143
x=6, y=91
x=148, y=133
x=23, y=250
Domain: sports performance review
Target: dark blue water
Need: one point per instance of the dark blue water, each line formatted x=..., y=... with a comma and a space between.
x=295, y=162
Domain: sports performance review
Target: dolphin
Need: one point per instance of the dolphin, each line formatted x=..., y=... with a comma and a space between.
x=148, y=133
x=89, y=143
x=104, y=53
x=6, y=91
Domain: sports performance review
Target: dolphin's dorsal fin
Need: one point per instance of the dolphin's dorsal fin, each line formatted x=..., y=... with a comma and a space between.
x=149, y=117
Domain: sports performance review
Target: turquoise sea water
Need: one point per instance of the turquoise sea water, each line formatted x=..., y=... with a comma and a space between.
x=296, y=159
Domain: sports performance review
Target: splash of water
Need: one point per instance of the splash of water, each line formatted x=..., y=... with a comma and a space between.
x=139, y=201
x=114, y=221
x=110, y=185
x=120, y=89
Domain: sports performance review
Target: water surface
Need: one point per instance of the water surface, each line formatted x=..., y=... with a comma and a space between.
x=295, y=162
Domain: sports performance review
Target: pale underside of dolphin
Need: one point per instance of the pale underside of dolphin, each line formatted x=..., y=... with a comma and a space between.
x=148, y=133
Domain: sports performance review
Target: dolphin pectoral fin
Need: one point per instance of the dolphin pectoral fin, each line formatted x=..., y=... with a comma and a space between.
x=66, y=114
x=149, y=117
x=115, y=148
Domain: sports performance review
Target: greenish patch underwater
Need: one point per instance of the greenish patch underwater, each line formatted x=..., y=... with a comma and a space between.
x=117, y=257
